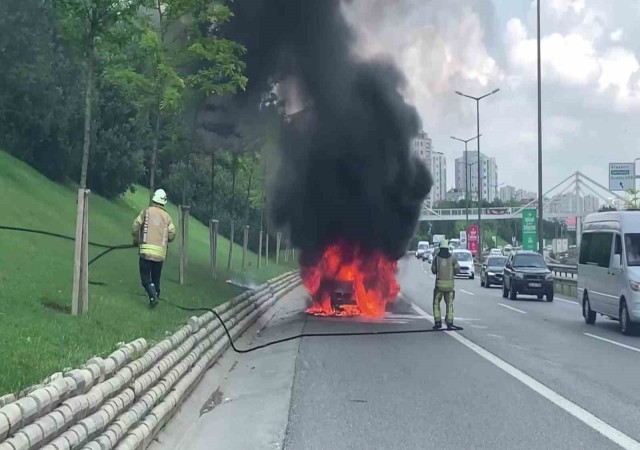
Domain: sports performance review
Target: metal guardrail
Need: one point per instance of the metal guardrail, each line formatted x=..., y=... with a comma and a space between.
x=563, y=270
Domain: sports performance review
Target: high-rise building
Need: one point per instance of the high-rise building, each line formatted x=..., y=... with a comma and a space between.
x=507, y=193
x=567, y=203
x=436, y=163
x=488, y=172
x=439, y=174
x=421, y=148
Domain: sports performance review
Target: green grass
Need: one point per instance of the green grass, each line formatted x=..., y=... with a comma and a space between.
x=36, y=271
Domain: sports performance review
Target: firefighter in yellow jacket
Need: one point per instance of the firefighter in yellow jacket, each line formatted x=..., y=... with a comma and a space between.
x=153, y=229
x=445, y=267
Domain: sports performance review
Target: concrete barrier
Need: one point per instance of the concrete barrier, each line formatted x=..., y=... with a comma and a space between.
x=565, y=286
x=122, y=401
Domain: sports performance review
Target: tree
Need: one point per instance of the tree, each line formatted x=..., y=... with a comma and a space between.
x=88, y=23
x=633, y=199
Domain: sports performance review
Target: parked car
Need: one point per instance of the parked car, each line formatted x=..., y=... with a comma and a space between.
x=465, y=259
x=525, y=272
x=609, y=268
x=492, y=271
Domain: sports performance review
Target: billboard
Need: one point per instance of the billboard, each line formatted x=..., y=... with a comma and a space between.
x=472, y=233
x=622, y=176
x=570, y=223
x=463, y=239
x=530, y=229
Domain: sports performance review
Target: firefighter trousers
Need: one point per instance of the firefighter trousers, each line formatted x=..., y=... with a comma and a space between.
x=449, y=296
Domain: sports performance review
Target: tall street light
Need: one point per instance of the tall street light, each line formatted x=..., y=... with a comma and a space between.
x=477, y=99
x=540, y=199
x=466, y=177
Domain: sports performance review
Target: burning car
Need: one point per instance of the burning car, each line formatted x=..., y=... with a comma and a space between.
x=343, y=295
x=347, y=281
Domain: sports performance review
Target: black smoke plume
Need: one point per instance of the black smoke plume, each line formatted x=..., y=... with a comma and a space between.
x=345, y=168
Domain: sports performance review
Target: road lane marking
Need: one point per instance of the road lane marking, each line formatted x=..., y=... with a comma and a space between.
x=467, y=292
x=567, y=301
x=512, y=308
x=495, y=335
x=567, y=405
x=619, y=344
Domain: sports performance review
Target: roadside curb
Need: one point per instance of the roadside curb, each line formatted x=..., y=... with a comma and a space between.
x=122, y=401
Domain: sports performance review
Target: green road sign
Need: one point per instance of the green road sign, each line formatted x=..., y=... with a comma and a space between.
x=530, y=229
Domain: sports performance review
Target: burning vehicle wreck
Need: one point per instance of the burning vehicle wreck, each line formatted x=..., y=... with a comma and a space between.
x=346, y=281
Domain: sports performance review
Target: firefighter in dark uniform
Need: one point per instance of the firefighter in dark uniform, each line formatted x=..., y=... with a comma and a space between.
x=445, y=267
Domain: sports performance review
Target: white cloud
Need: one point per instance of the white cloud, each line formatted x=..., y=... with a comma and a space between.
x=619, y=66
x=563, y=6
x=570, y=57
x=616, y=36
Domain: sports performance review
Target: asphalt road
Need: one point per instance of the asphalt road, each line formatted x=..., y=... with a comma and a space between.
x=433, y=391
x=523, y=374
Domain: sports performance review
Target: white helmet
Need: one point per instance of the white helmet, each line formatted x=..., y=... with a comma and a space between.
x=160, y=197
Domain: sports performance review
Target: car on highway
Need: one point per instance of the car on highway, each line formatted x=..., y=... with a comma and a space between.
x=525, y=272
x=454, y=243
x=492, y=270
x=609, y=268
x=423, y=248
x=430, y=254
x=465, y=259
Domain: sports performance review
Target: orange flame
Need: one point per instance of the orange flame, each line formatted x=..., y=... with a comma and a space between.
x=371, y=272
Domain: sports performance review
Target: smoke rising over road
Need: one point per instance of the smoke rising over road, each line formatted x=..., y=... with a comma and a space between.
x=345, y=169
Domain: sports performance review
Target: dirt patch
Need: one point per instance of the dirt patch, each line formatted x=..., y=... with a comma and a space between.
x=64, y=309
x=212, y=402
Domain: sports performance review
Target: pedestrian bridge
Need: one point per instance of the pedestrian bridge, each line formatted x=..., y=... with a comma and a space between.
x=429, y=214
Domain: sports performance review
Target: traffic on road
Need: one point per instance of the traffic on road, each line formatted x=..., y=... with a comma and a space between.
x=522, y=373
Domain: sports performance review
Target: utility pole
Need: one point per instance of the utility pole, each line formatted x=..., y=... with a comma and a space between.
x=466, y=177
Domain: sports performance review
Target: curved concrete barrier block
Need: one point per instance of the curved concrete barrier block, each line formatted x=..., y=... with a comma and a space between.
x=13, y=413
x=18, y=442
x=28, y=409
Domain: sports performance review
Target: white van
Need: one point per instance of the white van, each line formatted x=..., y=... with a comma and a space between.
x=609, y=268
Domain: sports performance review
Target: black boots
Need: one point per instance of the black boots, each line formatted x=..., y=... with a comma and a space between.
x=437, y=325
x=153, y=296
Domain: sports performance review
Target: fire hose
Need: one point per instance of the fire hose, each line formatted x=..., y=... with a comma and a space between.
x=108, y=248
x=303, y=335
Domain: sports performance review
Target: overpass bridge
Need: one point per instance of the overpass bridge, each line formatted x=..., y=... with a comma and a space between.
x=576, y=183
x=429, y=214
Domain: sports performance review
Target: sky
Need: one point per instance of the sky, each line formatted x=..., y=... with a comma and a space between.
x=590, y=78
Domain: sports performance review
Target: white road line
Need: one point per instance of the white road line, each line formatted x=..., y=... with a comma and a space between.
x=619, y=344
x=567, y=405
x=567, y=301
x=467, y=292
x=512, y=308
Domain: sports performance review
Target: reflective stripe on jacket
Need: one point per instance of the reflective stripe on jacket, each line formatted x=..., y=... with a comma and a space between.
x=152, y=230
x=445, y=270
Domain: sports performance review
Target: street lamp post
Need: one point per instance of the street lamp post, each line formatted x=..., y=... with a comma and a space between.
x=477, y=99
x=540, y=199
x=466, y=176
